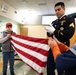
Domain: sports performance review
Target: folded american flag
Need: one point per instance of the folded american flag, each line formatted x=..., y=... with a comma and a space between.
x=33, y=51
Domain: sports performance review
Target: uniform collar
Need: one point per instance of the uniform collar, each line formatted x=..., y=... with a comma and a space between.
x=62, y=17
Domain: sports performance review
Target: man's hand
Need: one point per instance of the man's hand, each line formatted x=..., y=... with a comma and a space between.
x=57, y=41
x=49, y=34
x=9, y=35
x=51, y=42
x=50, y=29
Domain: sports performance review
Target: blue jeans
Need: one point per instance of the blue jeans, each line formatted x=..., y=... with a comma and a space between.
x=8, y=57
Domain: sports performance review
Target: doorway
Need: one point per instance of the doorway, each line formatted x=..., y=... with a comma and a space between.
x=24, y=31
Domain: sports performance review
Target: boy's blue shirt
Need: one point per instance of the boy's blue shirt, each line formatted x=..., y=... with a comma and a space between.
x=73, y=49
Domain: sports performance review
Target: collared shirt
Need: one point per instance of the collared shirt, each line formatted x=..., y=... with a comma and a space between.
x=62, y=16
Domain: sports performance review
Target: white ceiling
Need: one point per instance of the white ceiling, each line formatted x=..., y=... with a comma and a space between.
x=43, y=7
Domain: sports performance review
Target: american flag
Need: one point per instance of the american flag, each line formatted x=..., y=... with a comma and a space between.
x=33, y=51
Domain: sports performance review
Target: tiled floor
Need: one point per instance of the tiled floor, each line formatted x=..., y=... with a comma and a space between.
x=22, y=69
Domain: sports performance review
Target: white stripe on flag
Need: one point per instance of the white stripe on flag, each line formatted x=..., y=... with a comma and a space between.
x=30, y=52
x=32, y=64
x=33, y=51
x=35, y=44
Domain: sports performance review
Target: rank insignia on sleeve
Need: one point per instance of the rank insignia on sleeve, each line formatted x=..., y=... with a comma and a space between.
x=72, y=25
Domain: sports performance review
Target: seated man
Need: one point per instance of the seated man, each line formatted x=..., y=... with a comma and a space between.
x=64, y=57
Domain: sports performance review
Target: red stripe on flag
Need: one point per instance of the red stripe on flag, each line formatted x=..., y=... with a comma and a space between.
x=39, y=40
x=37, y=61
x=39, y=50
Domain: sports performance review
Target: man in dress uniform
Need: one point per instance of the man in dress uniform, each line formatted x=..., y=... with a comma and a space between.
x=63, y=28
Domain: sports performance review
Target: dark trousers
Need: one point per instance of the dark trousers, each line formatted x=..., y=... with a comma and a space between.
x=8, y=56
x=66, y=62
x=50, y=64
